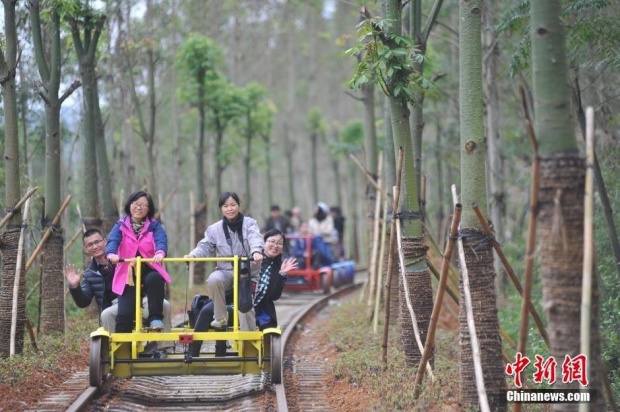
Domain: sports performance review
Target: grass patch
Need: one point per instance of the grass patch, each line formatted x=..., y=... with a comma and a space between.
x=391, y=386
x=52, y=348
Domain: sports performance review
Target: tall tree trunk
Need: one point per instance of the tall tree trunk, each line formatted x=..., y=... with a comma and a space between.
x=200, y=214
x=495, y=170
x=10, y=237
x=561, y=204
x=478, y=249
x=315, y=174
x=414, y=249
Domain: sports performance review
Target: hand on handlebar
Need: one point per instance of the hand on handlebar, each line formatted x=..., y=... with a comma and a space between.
x=112, y=258
x=257, y=257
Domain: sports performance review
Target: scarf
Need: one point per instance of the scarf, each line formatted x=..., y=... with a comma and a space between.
x=234, y=225
x=267, y=267
x=137, y=227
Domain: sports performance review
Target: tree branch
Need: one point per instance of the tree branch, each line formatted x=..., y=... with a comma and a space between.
x=361, y=99
x=74, y=86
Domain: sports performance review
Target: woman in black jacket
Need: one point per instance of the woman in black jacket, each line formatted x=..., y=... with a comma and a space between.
x=273, y=275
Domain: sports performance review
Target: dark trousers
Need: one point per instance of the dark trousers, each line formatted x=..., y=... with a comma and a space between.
x=153, y=285
x=203, y=323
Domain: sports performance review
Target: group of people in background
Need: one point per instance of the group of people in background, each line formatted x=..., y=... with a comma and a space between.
x=325, y=226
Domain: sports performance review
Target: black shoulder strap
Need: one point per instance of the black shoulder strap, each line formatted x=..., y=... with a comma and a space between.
x=227, y=233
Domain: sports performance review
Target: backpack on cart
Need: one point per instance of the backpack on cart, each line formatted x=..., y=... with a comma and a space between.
x=198, y=303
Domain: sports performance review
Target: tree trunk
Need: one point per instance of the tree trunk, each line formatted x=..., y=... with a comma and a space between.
x=478, y=249
x=495, y=170
x=414, y=250
x=315, y=177
x=561, y=204
x=10, y=238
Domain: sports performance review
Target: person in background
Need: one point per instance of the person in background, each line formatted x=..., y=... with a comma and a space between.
x=228, y=237
x=96, y=282
x=138, y=233
x=322, y=224
x=336, y=214
x=276, y=220
x=321, y=254
x=273, y=274
x=295, y=219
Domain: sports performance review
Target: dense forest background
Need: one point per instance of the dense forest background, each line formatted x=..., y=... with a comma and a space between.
x=280, y=119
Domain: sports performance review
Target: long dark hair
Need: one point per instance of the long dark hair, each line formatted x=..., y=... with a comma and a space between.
x=137, y=195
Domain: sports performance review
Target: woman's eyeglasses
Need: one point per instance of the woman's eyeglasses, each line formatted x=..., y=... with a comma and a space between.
x=279, y=244
x=140, y=205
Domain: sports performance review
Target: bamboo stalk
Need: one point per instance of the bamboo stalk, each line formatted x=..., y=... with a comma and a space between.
x=373, y=270
x=443, y=281
x=512, y=275
x=588, y=246
x=48, y=232
x=380, y=272
x=471, y=326
x=18, y=270
x=10, y=213
x=414, y=321
x=388, y=280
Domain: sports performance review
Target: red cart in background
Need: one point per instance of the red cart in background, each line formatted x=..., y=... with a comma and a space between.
x=316, y=269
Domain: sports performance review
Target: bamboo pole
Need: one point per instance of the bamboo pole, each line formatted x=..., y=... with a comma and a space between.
x=414, y=321
x=48, y=232
x=471, y=326
x=369, y=176
x=18, y=270
x=73, y=239
x=11, y=212
x=373, y=270
x=192, y=233
x=79, y=212
x=588, y=246
x=164, y=204
x=388, y=280
x=443, y=282
x=375, y=326
x=512, y=275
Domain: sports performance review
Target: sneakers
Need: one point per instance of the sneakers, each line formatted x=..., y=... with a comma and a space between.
x=156, y=325
x=220, y=323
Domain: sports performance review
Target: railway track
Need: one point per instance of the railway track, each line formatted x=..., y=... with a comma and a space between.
x=302, y=388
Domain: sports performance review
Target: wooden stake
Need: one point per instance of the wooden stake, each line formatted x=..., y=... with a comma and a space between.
x=416, y=330
x=29, y=193
x=588, y=247
x=373, y=270
x=18, y=271
x=388, y=280
x=375, y=326
x=443, y=281
x=48, y=232
x=471, y=326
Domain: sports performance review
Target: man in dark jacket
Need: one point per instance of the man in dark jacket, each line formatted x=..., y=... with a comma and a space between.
x=97, y=283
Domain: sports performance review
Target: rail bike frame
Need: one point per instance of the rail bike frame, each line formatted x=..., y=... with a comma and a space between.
x=251, y=352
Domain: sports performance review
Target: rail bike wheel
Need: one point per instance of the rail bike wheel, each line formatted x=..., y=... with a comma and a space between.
x=99, y=355
x=275, y=364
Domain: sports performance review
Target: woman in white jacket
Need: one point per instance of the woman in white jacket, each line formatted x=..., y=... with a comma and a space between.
x=234, y=234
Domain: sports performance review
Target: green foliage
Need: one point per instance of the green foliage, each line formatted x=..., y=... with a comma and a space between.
x=590, y=27
x=388, y=59
x=315, y=122
x=350, y=139
x=198, y=61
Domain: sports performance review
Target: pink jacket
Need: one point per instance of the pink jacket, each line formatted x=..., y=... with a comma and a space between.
x=123, y=242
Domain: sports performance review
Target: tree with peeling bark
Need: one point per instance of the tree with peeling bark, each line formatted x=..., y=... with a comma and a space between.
x=388, y=56
x=52, y=280
x=477, y=246
x=9, y=239
x=561, y=203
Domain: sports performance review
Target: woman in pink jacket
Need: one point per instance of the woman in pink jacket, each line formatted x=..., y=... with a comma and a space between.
x=138, y=234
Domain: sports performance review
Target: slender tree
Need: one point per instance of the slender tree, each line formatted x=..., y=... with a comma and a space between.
x=561, y=205
x=478, y=248
x=10, y=237
x=52, y=279
x=86, y=27
x=317, y=127
x=198, y=60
